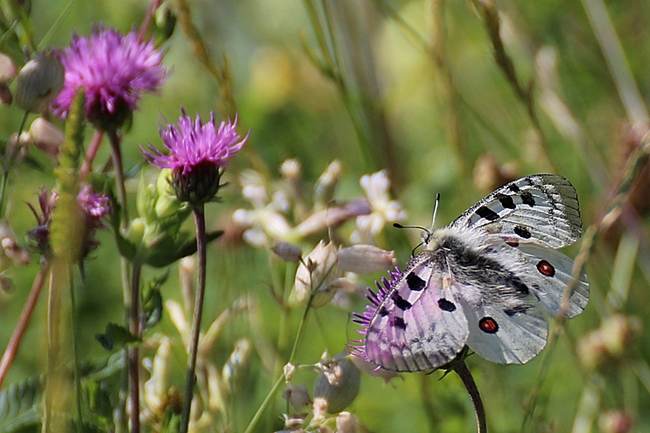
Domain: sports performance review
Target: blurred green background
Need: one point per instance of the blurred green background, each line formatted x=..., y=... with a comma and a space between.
x=412, y=87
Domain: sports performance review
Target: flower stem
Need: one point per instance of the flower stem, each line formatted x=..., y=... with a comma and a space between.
x=133, y=352
x=116, y=154
x=265, y=404
x=23, y=321
x=466, y=376
x=199, y=222
x=91, y=152
x=144, y=27
x=128, y=289
x=12, y=151
x=281, y=378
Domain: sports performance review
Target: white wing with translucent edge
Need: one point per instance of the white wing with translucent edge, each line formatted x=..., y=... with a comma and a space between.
x=541, y=208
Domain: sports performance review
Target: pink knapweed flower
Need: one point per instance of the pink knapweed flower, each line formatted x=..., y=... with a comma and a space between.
x=197, y=154
x=94, y=207
x=114, y=70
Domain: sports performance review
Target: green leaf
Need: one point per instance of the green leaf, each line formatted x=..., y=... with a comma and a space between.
x=160, y=258
x=153, y=308
x=116, y=334
x=20, y=405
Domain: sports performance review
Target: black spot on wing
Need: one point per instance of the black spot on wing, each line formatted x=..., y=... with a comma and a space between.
x=414, y=282
x=523, y=232
x=513, y=188
x=446, y=305
x=487, y=213
x=398, y=322
x=527, y=198
x=382, y=311
x=516, y=310
x=400, y=302
x=506, y=201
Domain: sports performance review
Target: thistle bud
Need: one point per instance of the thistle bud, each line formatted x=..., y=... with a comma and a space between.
x=336, y=387
x=39, y=82
x=164, y=23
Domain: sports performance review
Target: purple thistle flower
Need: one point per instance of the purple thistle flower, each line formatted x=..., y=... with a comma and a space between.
x=94, y=206
x=114, y=69
x=197, y=154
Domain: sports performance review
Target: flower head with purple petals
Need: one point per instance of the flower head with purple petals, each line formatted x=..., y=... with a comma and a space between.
x=93, y=205
x=197, y=154
x=114, y=70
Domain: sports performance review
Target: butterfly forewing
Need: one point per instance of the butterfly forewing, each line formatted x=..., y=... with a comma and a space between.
x=541, y=208
x=420, y=325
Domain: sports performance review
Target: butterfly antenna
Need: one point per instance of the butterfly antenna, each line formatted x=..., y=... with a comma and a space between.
x=425, y=234
x=435, y=212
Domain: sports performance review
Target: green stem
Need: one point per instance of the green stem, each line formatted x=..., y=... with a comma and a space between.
x=281, y=379
x=199, y=222
x=134, y=352
x=265, y=404
x=127, y=288
x=116, y=154
x=11, y=152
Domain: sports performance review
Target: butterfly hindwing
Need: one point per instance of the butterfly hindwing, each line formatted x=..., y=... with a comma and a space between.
x=541, y=208
x=419, y=325
x=548, y=272
x=497, y=336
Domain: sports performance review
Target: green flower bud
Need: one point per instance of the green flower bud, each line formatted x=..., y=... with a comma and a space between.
x=164, y=23
x=336, y=387
x=39, y=82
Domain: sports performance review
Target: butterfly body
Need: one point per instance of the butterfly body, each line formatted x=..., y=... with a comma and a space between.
x=490, y=280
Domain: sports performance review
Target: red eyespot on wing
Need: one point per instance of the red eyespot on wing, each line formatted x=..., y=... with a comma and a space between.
x=488, y=325
x=545, y=268
x=513, y=244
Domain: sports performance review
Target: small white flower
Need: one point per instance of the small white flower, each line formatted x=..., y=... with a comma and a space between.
x=265, y=223
x=384, y=210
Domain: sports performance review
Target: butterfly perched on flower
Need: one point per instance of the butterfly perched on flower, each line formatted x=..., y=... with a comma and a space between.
x=490, y=280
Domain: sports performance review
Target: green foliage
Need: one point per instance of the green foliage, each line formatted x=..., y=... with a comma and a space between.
x=20, y=405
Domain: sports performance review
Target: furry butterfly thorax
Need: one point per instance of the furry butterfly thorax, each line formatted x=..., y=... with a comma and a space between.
x=490, y=280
